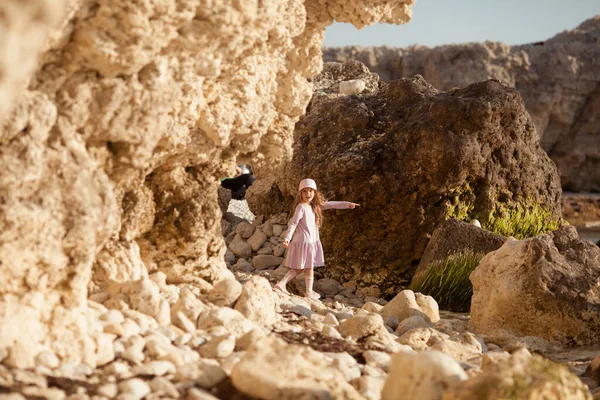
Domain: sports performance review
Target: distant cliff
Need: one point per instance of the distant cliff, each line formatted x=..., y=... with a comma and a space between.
x=559, y=80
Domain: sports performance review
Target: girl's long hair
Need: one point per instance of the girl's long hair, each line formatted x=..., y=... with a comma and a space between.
x=316, y=204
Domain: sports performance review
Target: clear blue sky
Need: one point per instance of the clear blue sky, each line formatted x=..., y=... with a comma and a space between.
x=437, y=22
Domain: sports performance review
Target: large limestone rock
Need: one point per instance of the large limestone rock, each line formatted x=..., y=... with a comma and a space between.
x=119, y=132
x=24, y=30
x=273, y=369
x=544, y=286
x=422, y=376
x=522, y=376
x=558, y=80
x=411, y=156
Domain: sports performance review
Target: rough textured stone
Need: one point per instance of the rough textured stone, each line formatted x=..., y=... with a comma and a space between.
x=545, y=286
x=412, y=156
x=558, y=79
x=421, y=376
x=453, y=237
x=363, y=325
x=256, y=301
x=266, y=261
x=523, y=376
x=225, y=293
x=273, y=369
x=122, y=129
x=403, y=306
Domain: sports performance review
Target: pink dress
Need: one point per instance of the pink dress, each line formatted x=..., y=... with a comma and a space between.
x=305, y=249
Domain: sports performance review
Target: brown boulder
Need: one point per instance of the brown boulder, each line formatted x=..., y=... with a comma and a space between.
x=412, y=157
x=558, y=79
x=545, y=286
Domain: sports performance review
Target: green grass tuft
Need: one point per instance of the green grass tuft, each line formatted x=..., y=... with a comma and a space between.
x=447, y=281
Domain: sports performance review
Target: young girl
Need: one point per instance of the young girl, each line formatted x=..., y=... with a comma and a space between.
x=305, y=251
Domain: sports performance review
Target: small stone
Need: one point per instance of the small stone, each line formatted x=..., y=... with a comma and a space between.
x=257, y=239
x=330, y=319
x=135, y=387
x=244, y=229
x=377, y=359
x=156, y=368
x=240, y=247
x=421, y=376
x=230, y=258
x=278, y=250
x=204, y=373
x=372, y=307
x=411, y=323
x=163, y=387
x=328, y=287
x=184, y=322
x=277, y=230
x=392, y=322
x=199, y=394
x=330, y=331
x=47, y=359
x=135, y=350
x=261, y=262
x=360, y=326
x=109, y=390
x=354, y=86
x=218, y=347
x=225, y=293
x=476, y=223
x=369, y=386
x=112, y=316
x=249, y=338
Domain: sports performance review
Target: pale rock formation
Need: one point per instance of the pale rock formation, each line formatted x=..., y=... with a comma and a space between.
x=272, y=369
x=118, y=137
x=558, y=79
x=523, y=376
x=424, y=376
x=405, y=305
x=225, y=293
x=545, y=286
x=463, y=347
x=256, y=301
x=362, y=326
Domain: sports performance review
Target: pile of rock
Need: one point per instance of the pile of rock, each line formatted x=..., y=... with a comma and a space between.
x=158, y=337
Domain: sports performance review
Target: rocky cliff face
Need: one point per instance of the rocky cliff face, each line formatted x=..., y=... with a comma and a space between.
x=114, y=137
x=559, y=81
x=412, y=157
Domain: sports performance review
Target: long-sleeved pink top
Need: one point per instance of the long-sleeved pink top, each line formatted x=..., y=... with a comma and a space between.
x=304, y=221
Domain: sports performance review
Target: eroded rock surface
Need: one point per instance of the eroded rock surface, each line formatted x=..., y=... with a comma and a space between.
x=115, y=137
x=544, y=286
x=559, y=81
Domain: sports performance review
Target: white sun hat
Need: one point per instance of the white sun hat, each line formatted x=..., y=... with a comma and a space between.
x=307, y=183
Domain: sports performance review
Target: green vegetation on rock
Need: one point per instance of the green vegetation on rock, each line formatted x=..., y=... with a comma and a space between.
x=447, y=281
x=520, y=220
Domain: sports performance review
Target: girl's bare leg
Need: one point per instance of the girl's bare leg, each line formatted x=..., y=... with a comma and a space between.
x=309, y=278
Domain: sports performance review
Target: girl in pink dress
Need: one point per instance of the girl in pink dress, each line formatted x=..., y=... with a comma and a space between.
x=305, y=251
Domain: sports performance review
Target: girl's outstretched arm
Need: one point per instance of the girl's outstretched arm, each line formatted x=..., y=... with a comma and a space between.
x=339, y=205
x=298, y=214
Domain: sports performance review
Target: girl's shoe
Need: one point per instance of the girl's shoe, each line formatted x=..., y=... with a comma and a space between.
x=282, y=289
x=312, y=295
